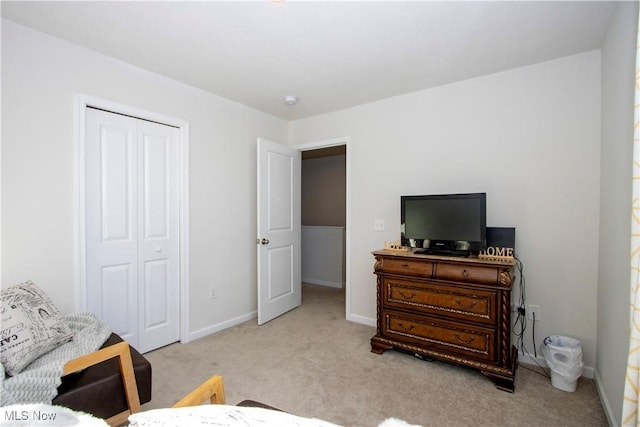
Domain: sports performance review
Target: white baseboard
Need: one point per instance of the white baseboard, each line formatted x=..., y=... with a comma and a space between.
x=605, y=402
x=201, y=333
x=528, y=359
x=361, y=319
x=312, y=281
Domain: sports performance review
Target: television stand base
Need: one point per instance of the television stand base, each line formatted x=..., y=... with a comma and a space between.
x=454, y=253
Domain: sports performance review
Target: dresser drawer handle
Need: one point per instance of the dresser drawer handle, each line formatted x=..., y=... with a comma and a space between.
x=469, y=341
x=467, y=306
x=405, y=328
x=405, y=265
x=408, y=295
x=465, y=273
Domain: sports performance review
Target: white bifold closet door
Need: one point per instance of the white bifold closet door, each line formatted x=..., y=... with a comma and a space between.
x=132, y=227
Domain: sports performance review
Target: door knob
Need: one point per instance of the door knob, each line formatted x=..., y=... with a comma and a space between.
x=265, y=241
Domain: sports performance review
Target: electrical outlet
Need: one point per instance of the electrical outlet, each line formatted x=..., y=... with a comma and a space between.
x=533, y=309
x=213, y=292
x=378, y=225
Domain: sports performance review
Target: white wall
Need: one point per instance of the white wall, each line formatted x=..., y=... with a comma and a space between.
x=529, y=138
x=322, y=255
x=40, y=77
x=618, y=78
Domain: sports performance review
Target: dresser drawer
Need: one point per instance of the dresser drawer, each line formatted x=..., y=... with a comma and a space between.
x=467, y=273
x=440, y=335
x=407, y=266
x=463, y=303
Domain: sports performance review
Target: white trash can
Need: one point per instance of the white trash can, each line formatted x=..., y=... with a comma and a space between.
x=564, y=358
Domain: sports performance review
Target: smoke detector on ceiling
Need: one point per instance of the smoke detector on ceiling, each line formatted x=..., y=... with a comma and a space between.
x=290, y=100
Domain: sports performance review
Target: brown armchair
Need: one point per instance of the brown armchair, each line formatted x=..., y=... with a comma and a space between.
x=110, y=383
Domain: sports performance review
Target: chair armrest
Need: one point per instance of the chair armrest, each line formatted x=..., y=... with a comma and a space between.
x=212, y=389
x=120, y=350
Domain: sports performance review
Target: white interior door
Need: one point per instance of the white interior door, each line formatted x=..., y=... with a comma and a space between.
x=132, y=228
x=158, y=236
x=278, y=242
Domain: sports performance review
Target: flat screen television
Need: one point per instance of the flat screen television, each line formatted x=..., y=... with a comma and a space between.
x=451, y=224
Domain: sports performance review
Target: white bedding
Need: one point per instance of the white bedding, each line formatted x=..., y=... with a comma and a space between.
x=222, y=416
x=44, y=415
x=35, y=415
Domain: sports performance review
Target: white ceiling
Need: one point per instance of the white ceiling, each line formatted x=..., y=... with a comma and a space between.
x=332, y=55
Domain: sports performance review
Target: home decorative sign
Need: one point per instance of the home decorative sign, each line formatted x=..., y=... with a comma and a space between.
x=496, y=253
x=395, y=246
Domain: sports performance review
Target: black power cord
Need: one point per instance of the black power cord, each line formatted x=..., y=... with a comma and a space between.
x=520, y=323
x=533, y=333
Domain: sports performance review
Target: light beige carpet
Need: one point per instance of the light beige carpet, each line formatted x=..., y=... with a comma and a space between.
x=314, y=363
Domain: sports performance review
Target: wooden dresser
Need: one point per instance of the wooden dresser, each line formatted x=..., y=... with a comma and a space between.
x=452, y=309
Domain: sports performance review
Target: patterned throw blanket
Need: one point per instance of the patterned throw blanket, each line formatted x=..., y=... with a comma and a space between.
x=38, y=382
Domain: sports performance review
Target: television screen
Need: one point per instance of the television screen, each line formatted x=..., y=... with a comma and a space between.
x=444, y=222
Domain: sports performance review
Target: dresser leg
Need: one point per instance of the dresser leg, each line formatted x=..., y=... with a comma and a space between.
x=379, y=348
x=502, y=382
x=505, y=382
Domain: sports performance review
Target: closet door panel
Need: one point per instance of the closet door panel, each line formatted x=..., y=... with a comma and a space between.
x=111, y=191
x=158, y=235
x=132, y=227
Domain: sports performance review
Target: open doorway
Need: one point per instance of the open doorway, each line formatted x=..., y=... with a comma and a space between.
x=324, y=222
